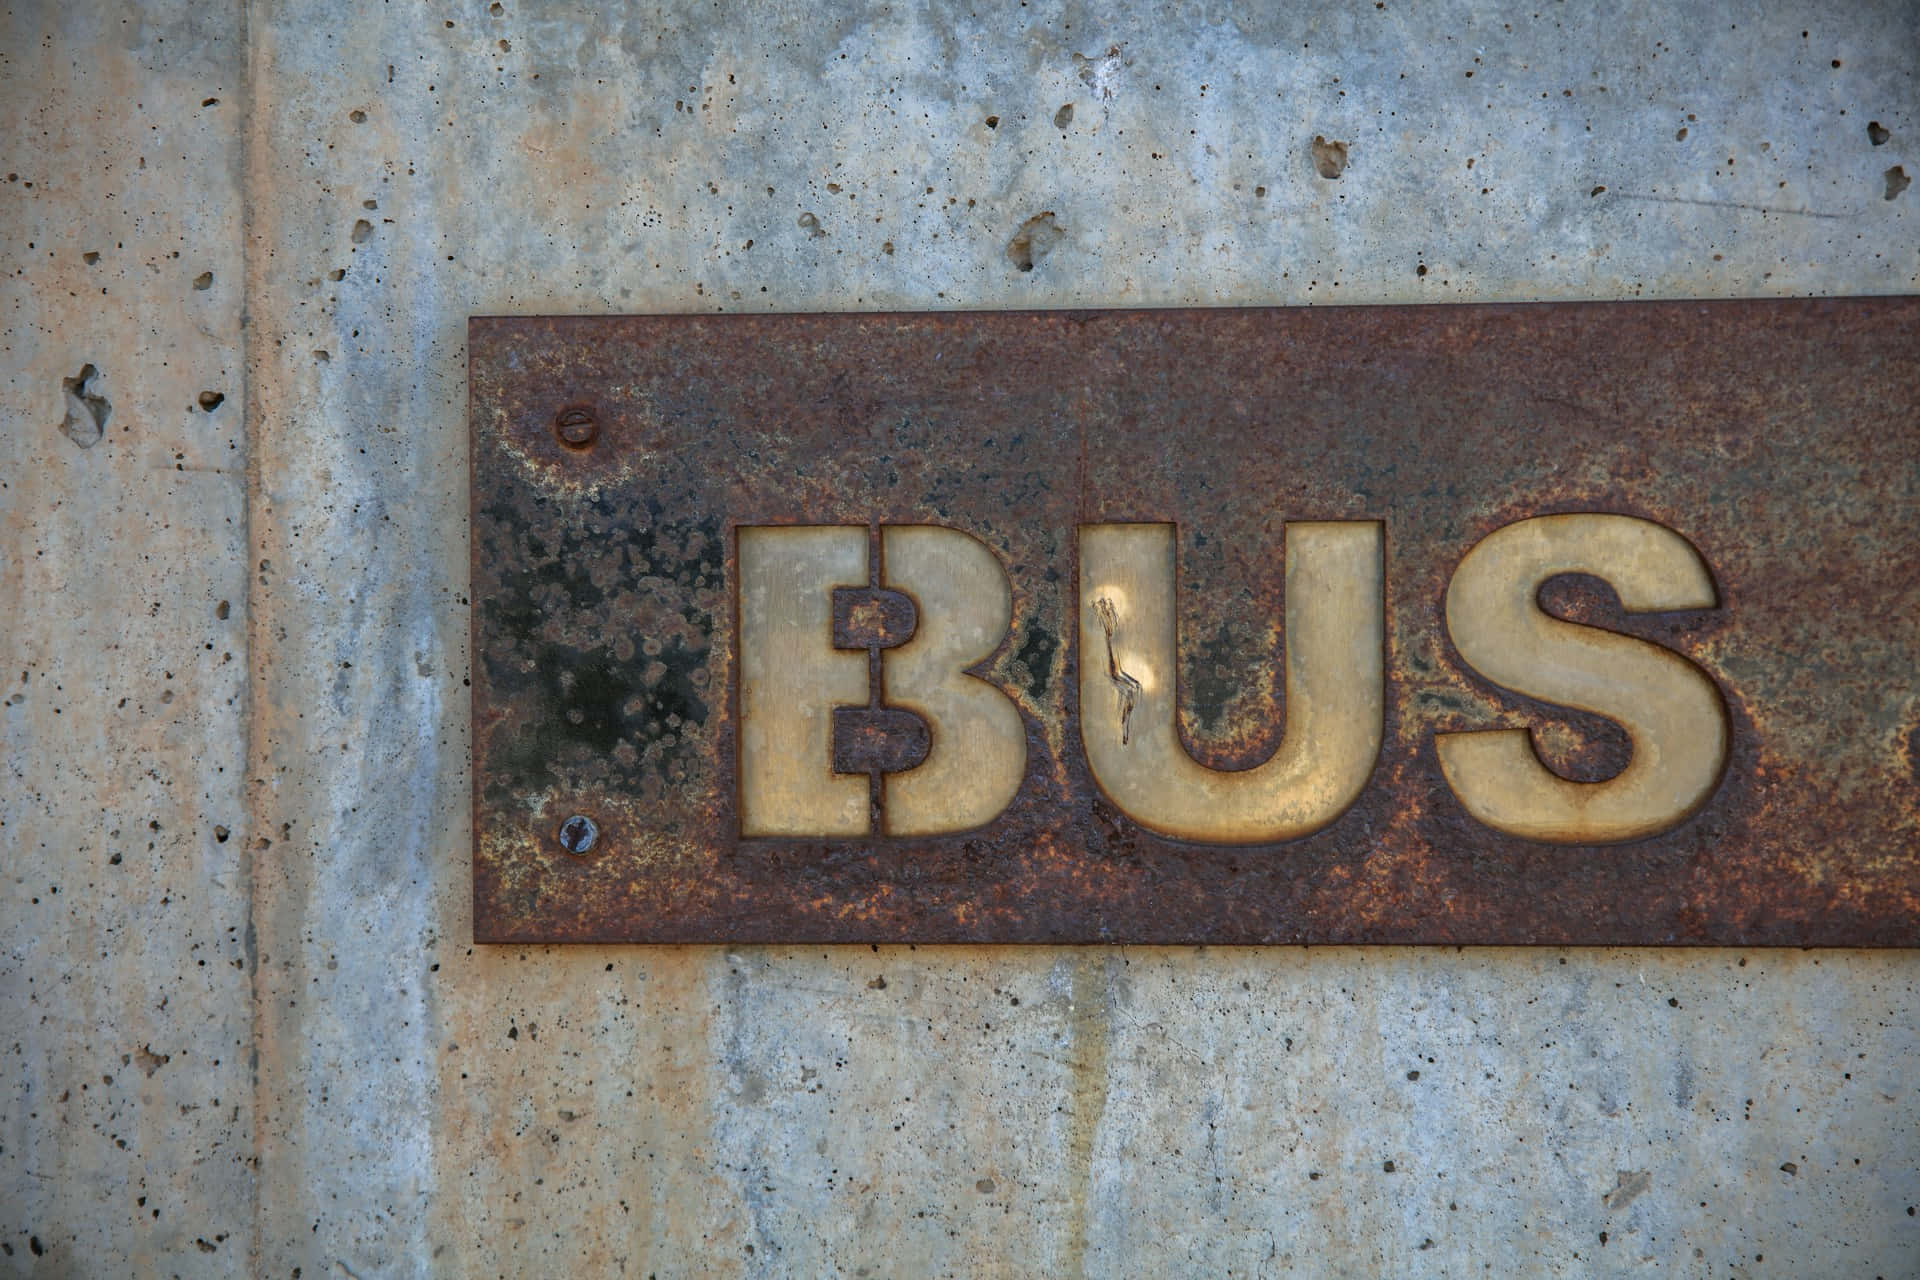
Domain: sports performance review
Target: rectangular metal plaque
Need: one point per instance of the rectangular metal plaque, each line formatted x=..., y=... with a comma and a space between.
x=1549, y=623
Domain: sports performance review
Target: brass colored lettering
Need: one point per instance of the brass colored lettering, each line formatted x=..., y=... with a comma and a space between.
x=1335, y=686
x=1671, y=710
x=791, y=678
x=979, y=743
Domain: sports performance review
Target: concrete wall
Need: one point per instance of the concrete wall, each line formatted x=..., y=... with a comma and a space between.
x=244, y=1030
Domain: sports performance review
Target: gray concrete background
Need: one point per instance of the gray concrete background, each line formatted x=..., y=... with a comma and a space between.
x=243, y=1027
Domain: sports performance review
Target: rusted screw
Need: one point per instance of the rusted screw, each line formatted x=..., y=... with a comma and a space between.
x=577, y=834
x=576, y=428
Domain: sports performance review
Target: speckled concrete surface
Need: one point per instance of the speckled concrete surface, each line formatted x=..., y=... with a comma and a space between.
x=249, y=1034
x=126, y=1111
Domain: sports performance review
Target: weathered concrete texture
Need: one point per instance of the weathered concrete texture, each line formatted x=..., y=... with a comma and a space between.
x=425, y=1106
x=125, y=1020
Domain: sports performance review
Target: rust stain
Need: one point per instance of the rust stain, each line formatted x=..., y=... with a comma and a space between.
x=872, y=617
x=1780, y=438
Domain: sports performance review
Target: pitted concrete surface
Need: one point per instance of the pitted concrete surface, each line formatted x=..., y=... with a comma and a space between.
x=246, y=1032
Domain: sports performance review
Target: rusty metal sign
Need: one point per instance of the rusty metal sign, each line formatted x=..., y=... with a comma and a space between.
x=1578, y=624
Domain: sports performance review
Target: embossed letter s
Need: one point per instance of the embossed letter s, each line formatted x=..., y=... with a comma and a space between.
x=1671, y=709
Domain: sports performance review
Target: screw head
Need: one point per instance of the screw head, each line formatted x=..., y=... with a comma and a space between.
x=577, y=834
x=576, y=427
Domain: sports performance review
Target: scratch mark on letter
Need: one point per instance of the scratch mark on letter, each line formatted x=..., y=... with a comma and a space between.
x=1125, y=685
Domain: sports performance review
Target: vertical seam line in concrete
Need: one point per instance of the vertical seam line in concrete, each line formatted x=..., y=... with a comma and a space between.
x=251, y=744
x=1091, y=1025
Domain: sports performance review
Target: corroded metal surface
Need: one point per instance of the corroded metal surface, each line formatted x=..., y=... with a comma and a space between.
x=1781, y=439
